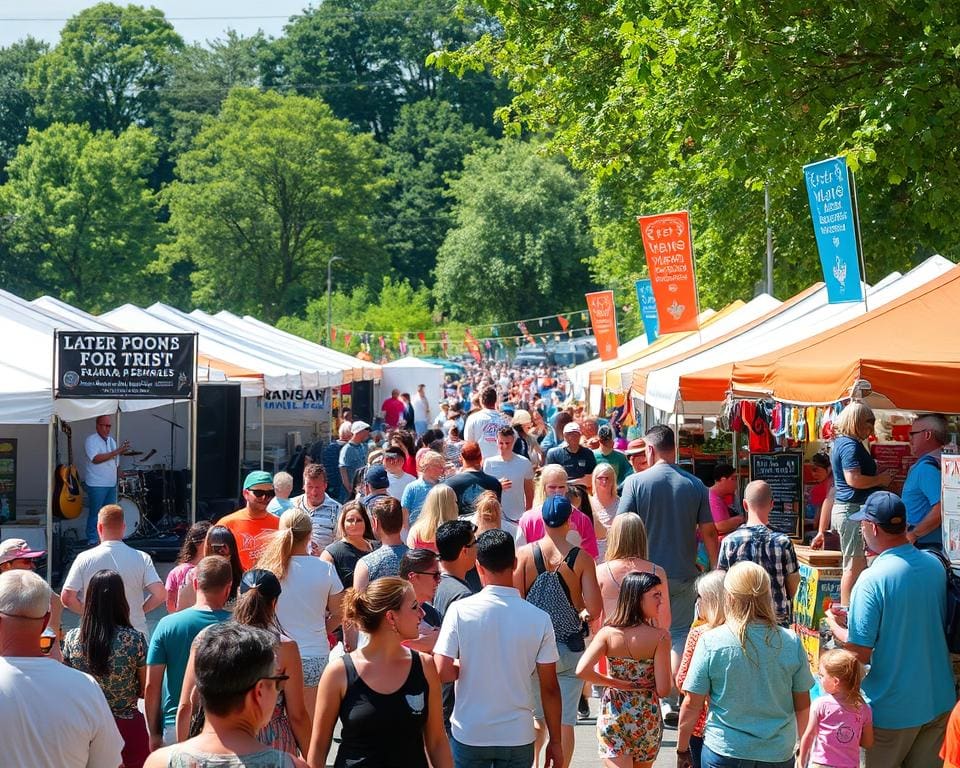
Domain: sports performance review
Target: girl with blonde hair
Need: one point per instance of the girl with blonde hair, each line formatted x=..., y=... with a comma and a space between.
x=403, y=727
x=709, y=615
x=308, y=608
x=487, y=513
x=627, y=552
x=439, y=507
x=748, y=653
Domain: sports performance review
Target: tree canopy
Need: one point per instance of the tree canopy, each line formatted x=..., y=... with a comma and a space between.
x=519, y=241
x=81, y=218
x=272, y=188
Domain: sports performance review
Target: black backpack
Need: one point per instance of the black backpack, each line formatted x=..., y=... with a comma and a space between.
x=951, y=624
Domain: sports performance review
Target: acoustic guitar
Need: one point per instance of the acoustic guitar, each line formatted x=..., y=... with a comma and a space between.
x=67, y=496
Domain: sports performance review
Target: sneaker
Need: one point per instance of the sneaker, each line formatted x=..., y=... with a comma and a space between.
x=583, y=709
x=670, y=716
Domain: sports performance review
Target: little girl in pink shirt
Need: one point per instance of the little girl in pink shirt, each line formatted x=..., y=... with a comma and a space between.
x=840, y=721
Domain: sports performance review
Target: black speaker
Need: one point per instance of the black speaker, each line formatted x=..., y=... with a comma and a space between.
x=361, y=401
x=218, y=441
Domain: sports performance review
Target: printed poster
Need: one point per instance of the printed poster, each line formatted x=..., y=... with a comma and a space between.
x=669, y=250
x=950, y=505
x=603, y=318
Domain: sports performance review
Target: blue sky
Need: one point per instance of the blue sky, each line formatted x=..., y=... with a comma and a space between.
x=195, y=20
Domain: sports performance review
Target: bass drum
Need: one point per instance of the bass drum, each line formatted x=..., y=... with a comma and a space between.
x=132, y=513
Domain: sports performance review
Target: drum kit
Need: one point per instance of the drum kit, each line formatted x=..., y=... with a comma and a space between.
x=152, y=497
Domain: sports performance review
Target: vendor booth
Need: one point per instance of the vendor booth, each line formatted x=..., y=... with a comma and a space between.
x=406, y=374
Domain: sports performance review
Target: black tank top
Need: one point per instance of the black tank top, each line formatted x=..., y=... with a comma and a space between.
x=383, y=730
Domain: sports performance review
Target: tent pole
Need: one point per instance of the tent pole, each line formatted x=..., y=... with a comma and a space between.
x=262, y=428
x=51, y=460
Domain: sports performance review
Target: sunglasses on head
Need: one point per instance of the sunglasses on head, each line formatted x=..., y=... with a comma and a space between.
x=263, y=494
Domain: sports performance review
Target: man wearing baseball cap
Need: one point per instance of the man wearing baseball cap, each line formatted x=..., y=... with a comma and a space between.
x=607, y=454
x=636, y=454
x=376, y=482
x=576, y=459
x=252, y=525
x=353, y=456
x=895, y=624
x=16, y=555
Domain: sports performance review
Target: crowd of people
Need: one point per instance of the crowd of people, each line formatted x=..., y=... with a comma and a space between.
x=458, y=592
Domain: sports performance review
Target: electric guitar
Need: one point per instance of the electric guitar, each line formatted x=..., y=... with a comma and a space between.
x=67, y=496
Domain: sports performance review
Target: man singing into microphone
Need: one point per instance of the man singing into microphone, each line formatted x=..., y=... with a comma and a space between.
x=101, y=460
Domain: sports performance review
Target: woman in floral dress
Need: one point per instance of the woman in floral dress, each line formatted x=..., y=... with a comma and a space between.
x=629, y=726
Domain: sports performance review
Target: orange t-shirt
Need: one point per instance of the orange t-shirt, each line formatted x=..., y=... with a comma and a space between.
x=950, y=752
x=252, y=534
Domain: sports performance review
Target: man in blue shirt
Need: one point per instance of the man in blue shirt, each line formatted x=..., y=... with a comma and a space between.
x=896, y=624
x=921, y=491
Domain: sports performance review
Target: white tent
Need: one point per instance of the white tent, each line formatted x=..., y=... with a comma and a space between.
x=753, y=309
x=802, y=319
x=407, y=373
x=354, y=369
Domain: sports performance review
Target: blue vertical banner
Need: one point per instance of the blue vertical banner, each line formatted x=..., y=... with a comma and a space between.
x=835, y=228
x=648, y=309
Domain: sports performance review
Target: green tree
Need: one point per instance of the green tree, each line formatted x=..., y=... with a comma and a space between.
x=423, y=153
x=520, y=239
x=200, y=79
x=108, y=69
x=81, y=219
x=367, y=58
x=271, y=188
x=699, y=105
x=398, y=308
x=17, y=103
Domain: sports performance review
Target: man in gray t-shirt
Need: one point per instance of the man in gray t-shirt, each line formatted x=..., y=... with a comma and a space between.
x=673, y=505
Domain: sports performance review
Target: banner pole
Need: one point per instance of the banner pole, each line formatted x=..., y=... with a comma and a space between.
x=194, y=408
x=51, y=460
x=856, y=231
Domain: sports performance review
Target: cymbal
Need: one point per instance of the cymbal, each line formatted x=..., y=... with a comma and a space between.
x=133, y=453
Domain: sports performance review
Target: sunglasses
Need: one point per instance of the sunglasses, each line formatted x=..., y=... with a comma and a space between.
x=277, y=679
x=263, y=494
x=435, y=574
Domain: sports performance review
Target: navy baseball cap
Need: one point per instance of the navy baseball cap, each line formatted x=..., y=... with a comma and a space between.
x=882, y=508
x=556, y=510
x=376, y=477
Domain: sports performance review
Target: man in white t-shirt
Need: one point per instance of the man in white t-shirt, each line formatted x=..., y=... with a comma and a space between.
x=500, y=640
x=483, y=426
x=421, y=409
x=135, y=568
x=101, y=459
x=393, y=458
x=52, y=715
x=515, y=473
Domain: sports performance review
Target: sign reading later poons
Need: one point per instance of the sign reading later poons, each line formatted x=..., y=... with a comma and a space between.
x=124, y=366
x=669, y=251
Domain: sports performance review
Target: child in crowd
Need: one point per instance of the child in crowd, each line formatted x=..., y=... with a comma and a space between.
x=840, y=721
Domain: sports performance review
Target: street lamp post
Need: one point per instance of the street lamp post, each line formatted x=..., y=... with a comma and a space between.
x=329, y=294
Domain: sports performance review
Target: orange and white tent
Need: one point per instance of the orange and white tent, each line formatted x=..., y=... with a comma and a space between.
x=905, y=354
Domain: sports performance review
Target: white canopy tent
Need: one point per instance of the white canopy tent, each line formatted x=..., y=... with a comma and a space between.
x=802, y=319
x=407, y=373
x=749, y=312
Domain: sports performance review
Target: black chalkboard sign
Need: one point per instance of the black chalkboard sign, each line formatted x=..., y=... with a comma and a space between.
x=784, y=473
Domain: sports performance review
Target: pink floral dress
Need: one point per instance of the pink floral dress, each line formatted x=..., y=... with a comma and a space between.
x=629, y=722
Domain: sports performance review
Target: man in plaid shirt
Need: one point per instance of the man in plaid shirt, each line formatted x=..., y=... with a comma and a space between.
x=771, y=550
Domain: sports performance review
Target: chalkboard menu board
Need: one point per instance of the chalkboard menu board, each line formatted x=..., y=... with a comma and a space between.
x=784, y=473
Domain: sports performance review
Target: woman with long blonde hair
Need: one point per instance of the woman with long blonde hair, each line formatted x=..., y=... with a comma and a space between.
x=756, y=675
x=627, y=552
x=439, y=507
x=308, y=608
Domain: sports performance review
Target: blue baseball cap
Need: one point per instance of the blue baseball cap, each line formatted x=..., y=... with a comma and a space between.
x=556, y=510
x=376, y=477
x=882, y=508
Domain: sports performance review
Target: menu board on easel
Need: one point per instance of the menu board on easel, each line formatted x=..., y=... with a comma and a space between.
x=8, y=479
x=783, y=471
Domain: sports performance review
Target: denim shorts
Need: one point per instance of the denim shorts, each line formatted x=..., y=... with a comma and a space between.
x=571, y=686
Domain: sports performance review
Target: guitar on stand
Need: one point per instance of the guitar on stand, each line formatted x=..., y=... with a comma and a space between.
x=67, y=494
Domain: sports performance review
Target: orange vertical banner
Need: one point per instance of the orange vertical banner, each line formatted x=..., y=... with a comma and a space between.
x=669, y=250
x=603, y=318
